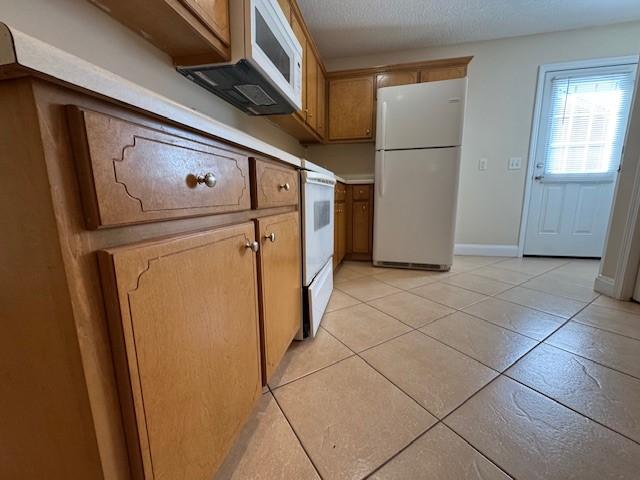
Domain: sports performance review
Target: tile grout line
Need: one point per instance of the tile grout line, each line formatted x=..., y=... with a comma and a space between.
x=315, y=467
x=413, y=329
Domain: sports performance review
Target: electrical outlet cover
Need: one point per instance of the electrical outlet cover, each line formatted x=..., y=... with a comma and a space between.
x=483, y=164
x=515, y=163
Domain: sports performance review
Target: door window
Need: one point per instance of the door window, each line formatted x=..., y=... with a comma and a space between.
x=584, y=122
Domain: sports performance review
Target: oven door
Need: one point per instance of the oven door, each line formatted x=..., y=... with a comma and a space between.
x=317, y=213
x=275, y=50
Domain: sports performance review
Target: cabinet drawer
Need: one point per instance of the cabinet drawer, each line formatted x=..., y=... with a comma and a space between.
x=132, y=174
x=273, y=185
x=361, y=192
x=341, y=192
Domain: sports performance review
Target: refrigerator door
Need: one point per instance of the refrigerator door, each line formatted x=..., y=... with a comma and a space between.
x=422, y=115
x=415, y=207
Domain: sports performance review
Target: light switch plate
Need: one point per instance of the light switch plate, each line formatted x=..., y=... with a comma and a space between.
x=483, y=164
x=515, y=163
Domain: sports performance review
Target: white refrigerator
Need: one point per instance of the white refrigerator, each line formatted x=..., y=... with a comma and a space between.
x=418, y=145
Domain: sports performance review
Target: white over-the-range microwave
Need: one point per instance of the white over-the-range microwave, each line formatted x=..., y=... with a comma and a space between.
x=264, y=76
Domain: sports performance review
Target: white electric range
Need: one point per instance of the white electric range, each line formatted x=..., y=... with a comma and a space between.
x=318, y=186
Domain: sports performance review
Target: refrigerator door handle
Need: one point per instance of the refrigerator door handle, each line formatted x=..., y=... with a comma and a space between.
x=382, y=123
x=381, y=182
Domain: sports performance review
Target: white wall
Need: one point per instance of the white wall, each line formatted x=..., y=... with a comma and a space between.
x=502, y=80
x=84, y=30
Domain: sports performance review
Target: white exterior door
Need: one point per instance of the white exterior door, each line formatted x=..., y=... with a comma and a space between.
x=582, y=124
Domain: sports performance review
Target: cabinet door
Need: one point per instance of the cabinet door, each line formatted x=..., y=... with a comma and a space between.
x=312, y=90
x=322, y=104
x=443, y=73
x=342, y=232
x=336, y=249
x=280, y=286
x=185, y=336
x=296, y=26
x=215, y=14
x=360, y=227
x=286, y=9
x=351, y=108
x=391, y=79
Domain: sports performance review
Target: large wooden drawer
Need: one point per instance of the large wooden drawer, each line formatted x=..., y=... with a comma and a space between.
x=273, y=185
x=132, y=174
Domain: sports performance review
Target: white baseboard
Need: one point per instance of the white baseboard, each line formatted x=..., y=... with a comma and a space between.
x=605, y=285
x=486, y=250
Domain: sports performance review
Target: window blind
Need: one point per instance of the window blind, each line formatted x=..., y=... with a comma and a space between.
x=586, y=123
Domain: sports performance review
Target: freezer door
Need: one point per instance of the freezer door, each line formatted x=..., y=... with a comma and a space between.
x=421, y=115
x=415, y=206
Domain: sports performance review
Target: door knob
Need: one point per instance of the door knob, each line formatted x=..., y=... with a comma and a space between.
x=208, y=179
x=253, y=246
x=285, y=186
x=538, y=177
x=271, y=236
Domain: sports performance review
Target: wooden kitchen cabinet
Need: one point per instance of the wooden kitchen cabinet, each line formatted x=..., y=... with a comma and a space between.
x=149, y=318
x=443, y=73
x=322, y=104
x=286, y=9
x=186, y=347
x=351, y=108
x=360, y=227
x=190, y=31
x=280, y=286
x=359, y=222
x=311, y=110
x=298, y=30
x=339, y=224
x=392, y=79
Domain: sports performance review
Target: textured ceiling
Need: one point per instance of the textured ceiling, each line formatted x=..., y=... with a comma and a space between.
x=344, y=28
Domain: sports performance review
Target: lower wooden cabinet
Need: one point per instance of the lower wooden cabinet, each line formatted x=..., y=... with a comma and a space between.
x=280, y=286
x=353, y=223
x=360, y=227
x=184, y=327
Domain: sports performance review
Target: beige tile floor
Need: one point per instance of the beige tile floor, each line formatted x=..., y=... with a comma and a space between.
x=502, y=368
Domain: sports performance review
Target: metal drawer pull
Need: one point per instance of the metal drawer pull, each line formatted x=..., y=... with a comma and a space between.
x=209, y=179
x=271, y=236
x=253, y=246
x=286, y=187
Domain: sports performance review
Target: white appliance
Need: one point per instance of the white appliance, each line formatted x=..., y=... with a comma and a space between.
x=418, y=143
x=317, y=245
x=264, y=76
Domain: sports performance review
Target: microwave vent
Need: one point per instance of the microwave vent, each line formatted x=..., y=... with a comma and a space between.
x=255, y=94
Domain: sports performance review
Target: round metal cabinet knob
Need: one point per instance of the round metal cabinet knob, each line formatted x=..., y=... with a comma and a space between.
x=271, y=236
x=286, y=187
x=253, y=246
x=209, y=179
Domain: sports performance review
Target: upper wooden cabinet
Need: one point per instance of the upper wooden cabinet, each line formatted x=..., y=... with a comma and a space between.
x=286, y=9
x=351, y=108
x=391, y=79
x=190, y=31
x=322, y=104
x=443, y=73
x=186, y=347
x=311, y=110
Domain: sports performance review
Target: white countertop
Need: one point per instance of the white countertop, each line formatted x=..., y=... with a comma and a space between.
x=356, y=179
x=19, y=48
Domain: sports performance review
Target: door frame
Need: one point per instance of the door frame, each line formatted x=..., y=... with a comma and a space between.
x=535, y=125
